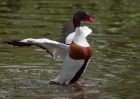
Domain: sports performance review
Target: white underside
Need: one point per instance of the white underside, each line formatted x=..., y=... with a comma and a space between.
x=70, y=68
x=57, y=49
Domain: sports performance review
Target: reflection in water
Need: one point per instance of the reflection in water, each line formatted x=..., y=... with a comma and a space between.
x=114, y=68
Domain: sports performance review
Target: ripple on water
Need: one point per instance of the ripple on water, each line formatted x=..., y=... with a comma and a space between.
x=20, y=66
x=115, y=40
x=133, y=45
x=4, y=93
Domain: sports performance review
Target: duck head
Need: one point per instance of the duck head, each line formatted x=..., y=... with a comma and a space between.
x=82, y=16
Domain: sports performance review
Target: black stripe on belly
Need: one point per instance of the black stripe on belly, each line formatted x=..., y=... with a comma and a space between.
x=79, y=72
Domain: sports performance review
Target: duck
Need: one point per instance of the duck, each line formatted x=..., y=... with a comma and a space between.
x=75, y=53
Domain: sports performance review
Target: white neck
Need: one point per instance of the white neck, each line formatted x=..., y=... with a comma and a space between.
x=80, y=36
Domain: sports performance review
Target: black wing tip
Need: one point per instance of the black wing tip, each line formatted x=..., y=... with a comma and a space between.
x=67, y=28
x=16, y=43
x=9, y=41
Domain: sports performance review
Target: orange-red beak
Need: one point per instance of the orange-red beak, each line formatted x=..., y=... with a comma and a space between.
x=90, y=19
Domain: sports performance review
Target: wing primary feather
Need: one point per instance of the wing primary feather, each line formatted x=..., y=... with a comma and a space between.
x=55, y=49
x=44, y=48
x=16, y=43
x=23, y=44
x=67, y=28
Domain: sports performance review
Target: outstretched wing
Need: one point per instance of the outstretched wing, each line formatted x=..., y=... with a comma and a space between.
x=56, y=49
x=68, y=28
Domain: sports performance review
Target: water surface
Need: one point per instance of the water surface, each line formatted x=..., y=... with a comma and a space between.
x=114, y=67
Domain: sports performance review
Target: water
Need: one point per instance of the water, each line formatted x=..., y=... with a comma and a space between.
x=114, y=67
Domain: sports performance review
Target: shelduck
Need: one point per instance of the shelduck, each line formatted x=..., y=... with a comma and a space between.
x=75, y=53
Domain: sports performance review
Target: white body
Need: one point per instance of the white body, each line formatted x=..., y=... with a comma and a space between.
x=60, y=50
